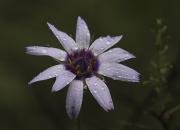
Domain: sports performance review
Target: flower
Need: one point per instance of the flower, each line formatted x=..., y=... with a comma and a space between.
x=81, y=65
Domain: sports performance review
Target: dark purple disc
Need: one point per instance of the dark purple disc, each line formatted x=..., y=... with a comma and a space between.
x=83, y=63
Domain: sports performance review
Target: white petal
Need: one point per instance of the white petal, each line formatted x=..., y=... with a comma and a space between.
x=62, y=80
x=100, y=92
x=118, y=72
x=115, y=55
x=67, y=42
x=48, y=51
x=74, y=98
x=103, y=43
x=51, y=72
x=82, y=33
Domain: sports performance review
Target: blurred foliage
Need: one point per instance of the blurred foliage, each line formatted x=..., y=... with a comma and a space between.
x=152, y=104
x=160, y=67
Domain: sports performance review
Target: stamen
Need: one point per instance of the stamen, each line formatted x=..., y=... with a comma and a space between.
x=82, y=63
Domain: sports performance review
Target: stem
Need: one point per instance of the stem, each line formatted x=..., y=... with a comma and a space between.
x=140, y=126
x=161, y=120
x=78, y=123
x=170, y=112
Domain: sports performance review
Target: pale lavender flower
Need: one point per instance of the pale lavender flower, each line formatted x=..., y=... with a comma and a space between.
x=81, y=65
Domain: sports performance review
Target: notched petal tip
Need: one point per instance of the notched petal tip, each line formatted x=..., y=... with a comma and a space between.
x=137, y=79
x=110, y=108
x=121, y=36
x=31, y=82
x=73, y=115
x=132, y=56
x=49, y=24
x=118, y=37
x=31, y=50
x=54, y=90
x=28, y=50
x=79, y=18
x=51, y=27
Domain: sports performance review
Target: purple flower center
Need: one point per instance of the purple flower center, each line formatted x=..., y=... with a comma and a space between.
x=82, y=63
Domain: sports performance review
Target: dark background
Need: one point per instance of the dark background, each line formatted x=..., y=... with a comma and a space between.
x=23, y=23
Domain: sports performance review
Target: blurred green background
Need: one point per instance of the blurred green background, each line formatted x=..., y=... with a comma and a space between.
x=23, y=23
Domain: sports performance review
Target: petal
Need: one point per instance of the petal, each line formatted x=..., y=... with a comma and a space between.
x=118, y=72
x=115, y=55
x=67, y=42
x=74, y=98
x=103, y=43
x=62, y=80
x=48, y=51
x=51, y=72
x=100, y=92
x=82, y=33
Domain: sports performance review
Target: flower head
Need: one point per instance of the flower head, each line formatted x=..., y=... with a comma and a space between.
x=81, y=64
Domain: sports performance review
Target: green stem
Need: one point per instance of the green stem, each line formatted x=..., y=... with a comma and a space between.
x=78, y=124
x=140, y=126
